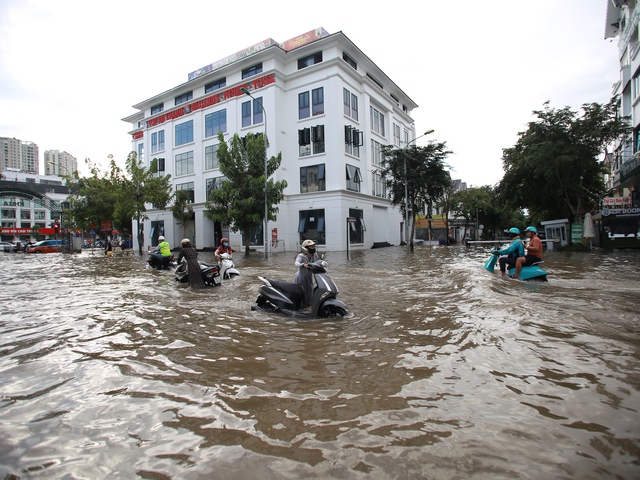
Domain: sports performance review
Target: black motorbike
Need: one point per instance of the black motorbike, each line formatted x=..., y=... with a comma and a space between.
x=288, y=297
x=161, y=263
x=210, y=273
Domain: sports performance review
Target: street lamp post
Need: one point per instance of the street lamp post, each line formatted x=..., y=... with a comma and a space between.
x=406, y=188
x=266, y=174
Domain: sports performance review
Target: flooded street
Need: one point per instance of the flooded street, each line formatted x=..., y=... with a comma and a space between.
x=109, y=369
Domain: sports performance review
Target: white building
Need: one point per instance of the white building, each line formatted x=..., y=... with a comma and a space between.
x=59, y=163
x=620, y=213
x=327, y=107
x=29, y=202
x=18, y=155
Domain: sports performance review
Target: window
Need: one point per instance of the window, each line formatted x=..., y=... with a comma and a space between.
x=160, y=165
x=157, y=141
x=377, y=121
x=312, y=179
x=396, y=134
x=378, y=185
x=247, y=118
x=141, y=152
x=184, y=133
x=157, y=108
x=376, y=153
x=354, y=179
x=187, y=187
x=215, y=85
x=375, y=80
x=185, y=97
x=350, y=104
x=184, y=163
x=214, y=184
x=349, y=60
x=38, y=215
x=311, y=136
x=357, y=227
x=309, y=60
x=303, y=105
x=317, y=103
x=211, y=157
x=311, y=226
x=353, y=139
x=215, y=122
x=251, y=71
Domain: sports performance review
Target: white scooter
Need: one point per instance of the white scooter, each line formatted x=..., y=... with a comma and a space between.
x=227, y=268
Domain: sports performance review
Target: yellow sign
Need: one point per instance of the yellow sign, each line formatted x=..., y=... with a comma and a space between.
x=438, y=221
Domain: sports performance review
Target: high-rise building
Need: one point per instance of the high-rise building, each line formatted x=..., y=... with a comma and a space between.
x=324, y=105
x=620, y=212
x=59, y=163
x=18, y=156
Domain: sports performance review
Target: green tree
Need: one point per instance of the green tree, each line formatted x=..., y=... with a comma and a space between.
x=239, y=202
x=426, y=176
x=182, y=208
x=554, y=164
x=481, y=204
x=92, y=199
x=141, y=186
x=446, y=203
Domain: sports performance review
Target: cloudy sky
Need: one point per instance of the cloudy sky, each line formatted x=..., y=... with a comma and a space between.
x=70, y=70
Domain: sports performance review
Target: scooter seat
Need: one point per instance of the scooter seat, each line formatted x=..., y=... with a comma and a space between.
x=287, y=287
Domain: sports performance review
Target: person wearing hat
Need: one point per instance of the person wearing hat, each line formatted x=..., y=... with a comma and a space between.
x=193, y=266
x=162, y=250
x=303, y=277
x=512, y=252
x=533, y=252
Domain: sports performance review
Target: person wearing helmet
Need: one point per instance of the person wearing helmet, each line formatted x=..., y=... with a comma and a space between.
x=306, y=256
x=512, y=252
x=223, y=248
x=162, y=250
x=533, y=252
x=193, y=266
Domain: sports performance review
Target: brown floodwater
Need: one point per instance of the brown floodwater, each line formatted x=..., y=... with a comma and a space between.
x=109, y=369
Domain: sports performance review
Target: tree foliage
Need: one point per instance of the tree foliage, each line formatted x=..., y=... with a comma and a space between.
x=425, y=172
x=182, y=208
x=141, y=186
x=239, y=202
x=92, y=199
x=482, y=205
x=554, y=164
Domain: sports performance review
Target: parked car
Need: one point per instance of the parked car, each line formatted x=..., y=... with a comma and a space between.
x=46, y=246
x=9, y=247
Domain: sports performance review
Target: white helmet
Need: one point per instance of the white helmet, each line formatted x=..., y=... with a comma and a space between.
x=161, y=238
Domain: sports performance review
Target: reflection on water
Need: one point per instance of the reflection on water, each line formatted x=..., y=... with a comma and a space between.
x=110, y=370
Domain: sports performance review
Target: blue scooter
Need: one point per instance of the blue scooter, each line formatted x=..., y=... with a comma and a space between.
x=532, y=273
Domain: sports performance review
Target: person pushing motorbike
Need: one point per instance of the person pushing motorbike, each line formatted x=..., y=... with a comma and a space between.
x=303, y=277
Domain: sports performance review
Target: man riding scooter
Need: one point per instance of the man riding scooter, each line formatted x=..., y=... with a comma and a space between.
x=161, y=255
